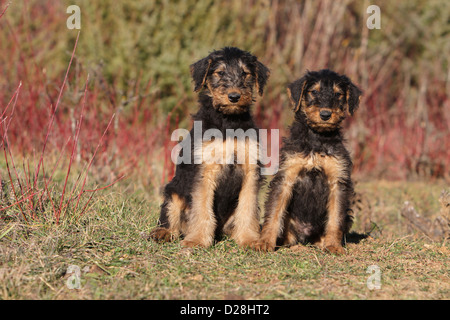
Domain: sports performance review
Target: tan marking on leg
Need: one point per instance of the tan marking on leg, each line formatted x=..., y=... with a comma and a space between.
x=291, y=238
x=202, y=223
x=334, y=169
x=246, y=223
x=176, y=207
x=183, y=221
x=245, y=219
x=228, y=226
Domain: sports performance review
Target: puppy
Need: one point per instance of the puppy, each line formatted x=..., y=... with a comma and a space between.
x=309, y=197
x=217, y=194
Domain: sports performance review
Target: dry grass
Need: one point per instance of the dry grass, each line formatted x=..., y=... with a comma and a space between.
x=118, y=262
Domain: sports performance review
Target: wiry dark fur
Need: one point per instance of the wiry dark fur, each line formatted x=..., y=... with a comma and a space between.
x=215, y=113
x=306, y=213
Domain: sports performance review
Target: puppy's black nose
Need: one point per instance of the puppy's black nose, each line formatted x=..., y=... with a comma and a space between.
x=234, y=97
x=325, y=115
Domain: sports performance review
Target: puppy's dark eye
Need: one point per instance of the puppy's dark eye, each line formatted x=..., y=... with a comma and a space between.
x=220, y=73
x=244, y=74
x=314, y=92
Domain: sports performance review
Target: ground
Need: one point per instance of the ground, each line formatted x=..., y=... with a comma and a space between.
x=113, y=258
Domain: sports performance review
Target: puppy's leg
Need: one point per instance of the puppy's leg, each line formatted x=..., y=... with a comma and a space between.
x=246, y=221
x=336, y=172
x=280, y=193
x=202, y=223
x=169, y=221
x=275, y=213
x=331, y=241
x=290, y=232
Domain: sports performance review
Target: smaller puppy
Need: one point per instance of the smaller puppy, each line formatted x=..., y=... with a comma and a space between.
x=309, y=198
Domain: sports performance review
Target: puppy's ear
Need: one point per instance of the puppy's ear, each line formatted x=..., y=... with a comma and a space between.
x=353, y=98
x=295, y=92
x=199, y=72
x=262, y=75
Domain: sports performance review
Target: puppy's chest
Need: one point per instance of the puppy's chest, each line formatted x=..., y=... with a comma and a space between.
x=230, y=151
x=295, y=165
x=309, y=162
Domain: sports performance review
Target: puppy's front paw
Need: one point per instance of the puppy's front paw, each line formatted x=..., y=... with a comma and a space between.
x=334, y=249
x=161, y=235
x=264, y=245
x=191, y=244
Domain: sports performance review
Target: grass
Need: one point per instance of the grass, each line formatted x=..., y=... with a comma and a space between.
x=116, y=260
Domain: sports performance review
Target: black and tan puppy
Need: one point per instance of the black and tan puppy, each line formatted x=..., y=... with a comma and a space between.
x=309, y=198
x=217, y=194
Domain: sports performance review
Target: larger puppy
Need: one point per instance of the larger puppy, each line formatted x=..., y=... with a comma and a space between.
x=218, y=192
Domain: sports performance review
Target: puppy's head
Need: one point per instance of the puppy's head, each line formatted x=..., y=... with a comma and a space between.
x=229, y=76
x=325, y=98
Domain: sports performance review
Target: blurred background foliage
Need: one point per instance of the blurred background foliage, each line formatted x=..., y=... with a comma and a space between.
x=138, y=53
